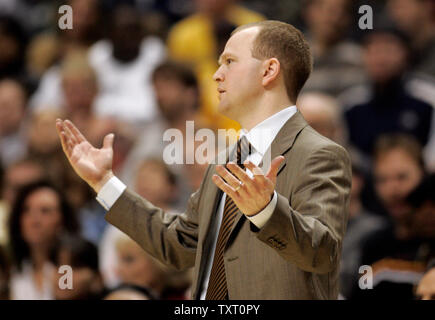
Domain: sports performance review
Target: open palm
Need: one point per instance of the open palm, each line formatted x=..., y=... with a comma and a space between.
x=91, y=164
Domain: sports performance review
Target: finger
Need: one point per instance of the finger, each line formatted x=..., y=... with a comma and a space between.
x=70, y=135
x=66, y=148
x=228, y=177
x=76, y=132
x=108, y=141
x=256, y=171
x=274, y=166
x=259, y=180
x=59, y=126
x=220, y=183
x=240, y=174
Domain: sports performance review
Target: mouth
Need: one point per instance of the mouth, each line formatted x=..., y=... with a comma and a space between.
x=221, y=90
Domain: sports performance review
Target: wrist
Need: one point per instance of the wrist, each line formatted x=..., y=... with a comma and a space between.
x=99, y=184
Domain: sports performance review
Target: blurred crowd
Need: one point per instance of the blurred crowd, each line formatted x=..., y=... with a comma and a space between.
x=137, y=68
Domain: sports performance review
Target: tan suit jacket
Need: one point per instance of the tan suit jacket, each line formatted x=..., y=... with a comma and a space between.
x=294, y=256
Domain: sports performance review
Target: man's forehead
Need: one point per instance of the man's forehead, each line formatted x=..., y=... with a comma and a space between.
x=248, y=34
x=240, y=40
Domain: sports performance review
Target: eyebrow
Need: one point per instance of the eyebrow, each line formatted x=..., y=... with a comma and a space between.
x=222, y=57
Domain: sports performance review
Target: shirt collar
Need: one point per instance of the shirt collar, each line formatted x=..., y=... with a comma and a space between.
x=262, y=135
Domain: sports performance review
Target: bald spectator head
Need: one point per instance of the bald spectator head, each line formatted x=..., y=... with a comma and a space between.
x=12, y=106
x=322, y=113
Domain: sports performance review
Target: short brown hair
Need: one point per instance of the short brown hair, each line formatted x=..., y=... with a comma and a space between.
x=393, y=141
x=281, y=40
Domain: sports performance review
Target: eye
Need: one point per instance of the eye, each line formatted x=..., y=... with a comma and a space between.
x=228, y=60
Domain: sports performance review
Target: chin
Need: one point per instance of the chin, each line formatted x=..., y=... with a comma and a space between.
x=224, y=109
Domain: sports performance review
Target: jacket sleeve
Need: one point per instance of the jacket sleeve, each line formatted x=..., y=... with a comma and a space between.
x=307, y=228
x=170, y=238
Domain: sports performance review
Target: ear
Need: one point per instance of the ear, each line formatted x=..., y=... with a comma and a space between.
x=271, y=70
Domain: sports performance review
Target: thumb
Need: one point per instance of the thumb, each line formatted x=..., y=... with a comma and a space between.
x=274, y=166
x=108, y=141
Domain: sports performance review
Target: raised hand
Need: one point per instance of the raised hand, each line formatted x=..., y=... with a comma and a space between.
x=251, y=195
x=91, y=164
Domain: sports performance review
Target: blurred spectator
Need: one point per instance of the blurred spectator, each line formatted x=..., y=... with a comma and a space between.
x=287, y=11
x=80, y=88
x=34, y=16
x=4, y=275
x=129, y=292
x=161, y=192
x=385, y=105
x=398, y=169
x=47, y=47
x=163, y=189
x=124, y=65
x=13, y=42
x=416, y=19
x=82, y=256
x=12, y=113
x=362, y=225
x=322, y=112
x=177, y=95
x=426, y=286
x=398, y=255
x=17, y=175
x=136, y=267
x=422, y=199
x=44, y=147
x=199, y=40
x=337, y=60
x=39, y=216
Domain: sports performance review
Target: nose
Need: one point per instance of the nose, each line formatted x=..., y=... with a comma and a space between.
x=218, y=75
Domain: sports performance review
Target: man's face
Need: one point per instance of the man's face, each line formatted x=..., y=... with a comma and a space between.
x=239, y=76
x=409, y=14
x=12, y=103
x=18, y=176
x=384, y=57
x=328, y=19
x=397, y=174
x=126, y=22
x=135, y=266
x=173, y=97
x=41, y=219
x=80, y=92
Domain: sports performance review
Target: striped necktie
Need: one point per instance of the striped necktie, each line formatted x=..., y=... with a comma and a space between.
x=217, y=285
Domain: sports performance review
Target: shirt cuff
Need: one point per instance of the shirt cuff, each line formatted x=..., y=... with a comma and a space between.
x=110, y=192
x=260, y=218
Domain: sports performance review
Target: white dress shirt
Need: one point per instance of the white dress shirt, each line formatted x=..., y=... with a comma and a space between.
x=260, y=137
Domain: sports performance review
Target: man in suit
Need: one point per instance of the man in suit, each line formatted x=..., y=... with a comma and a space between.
x=248, y=235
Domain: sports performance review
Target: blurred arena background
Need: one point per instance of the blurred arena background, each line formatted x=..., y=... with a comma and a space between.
x=137, y=68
